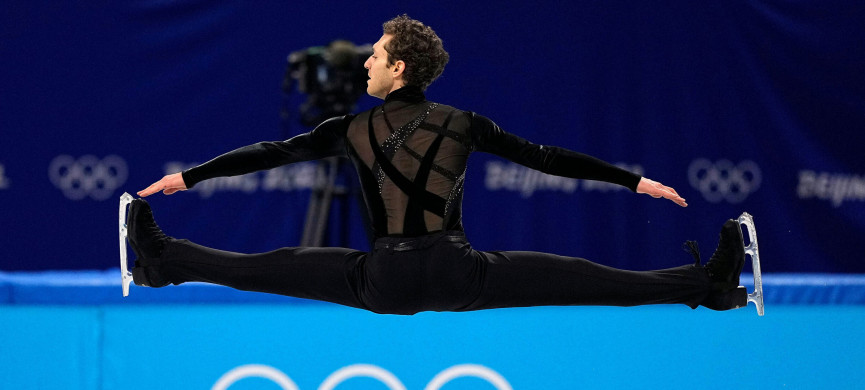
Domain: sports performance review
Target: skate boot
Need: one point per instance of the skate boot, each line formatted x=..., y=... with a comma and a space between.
x=147, y=241
x=724, y=268
x=725, y=265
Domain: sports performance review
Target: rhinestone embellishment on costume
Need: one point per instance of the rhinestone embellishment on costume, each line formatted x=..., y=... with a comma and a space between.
x=454, y=193
x=396, y=140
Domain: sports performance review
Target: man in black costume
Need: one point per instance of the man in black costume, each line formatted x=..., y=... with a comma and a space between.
x=410, y=155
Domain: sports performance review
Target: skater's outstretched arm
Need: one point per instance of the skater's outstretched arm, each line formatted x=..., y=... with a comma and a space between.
x=326, y=140
x=489, y=137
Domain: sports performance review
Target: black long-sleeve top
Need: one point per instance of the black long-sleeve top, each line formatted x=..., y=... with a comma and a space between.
x=410, y=155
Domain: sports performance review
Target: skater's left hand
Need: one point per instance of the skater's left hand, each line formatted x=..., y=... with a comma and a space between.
x=169, y=184
x=658, y=190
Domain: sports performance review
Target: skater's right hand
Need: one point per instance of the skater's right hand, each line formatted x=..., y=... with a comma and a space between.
x=169, y=184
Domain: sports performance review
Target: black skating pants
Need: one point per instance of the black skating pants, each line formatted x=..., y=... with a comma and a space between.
x=439, y=272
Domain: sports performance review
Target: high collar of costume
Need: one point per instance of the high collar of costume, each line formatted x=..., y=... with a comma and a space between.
x=408, y=93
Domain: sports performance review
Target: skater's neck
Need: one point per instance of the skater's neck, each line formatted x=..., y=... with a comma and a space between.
x=409, y=94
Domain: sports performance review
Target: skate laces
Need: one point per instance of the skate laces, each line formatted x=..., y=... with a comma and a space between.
x=148, y=236
x=713, y=265
x=151, y=228
x=694, y=249
x=722, y=257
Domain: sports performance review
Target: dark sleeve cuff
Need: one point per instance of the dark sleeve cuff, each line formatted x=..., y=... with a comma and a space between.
x=189, y=178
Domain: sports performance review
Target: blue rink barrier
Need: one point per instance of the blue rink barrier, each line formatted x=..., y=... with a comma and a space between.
x=73, y=330
x=273, y=346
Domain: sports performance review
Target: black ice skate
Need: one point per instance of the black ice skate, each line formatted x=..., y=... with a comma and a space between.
x=726, y=264
x=147, y=241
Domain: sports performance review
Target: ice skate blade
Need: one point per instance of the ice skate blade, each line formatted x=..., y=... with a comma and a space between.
x=752, y=250
x=125, y=275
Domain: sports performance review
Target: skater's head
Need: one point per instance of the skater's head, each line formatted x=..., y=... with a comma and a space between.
x=409, y=53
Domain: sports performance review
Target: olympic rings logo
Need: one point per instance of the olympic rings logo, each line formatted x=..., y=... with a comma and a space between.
x=361, y=370
x=87, y=176
x=722, y=180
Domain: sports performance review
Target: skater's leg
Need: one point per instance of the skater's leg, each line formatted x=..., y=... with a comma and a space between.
x=513, y=279
x=327, y=274
x=531, y=279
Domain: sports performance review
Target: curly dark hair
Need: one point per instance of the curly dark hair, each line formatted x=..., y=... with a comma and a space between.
x=419, y=47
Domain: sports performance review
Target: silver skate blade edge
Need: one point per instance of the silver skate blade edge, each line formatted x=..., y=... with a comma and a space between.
x=753, y=250
x=125, y=275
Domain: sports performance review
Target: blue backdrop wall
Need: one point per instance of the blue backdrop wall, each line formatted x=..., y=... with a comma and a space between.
x=754, y=106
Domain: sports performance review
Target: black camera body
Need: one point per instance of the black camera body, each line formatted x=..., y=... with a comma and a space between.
x=333, y=78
